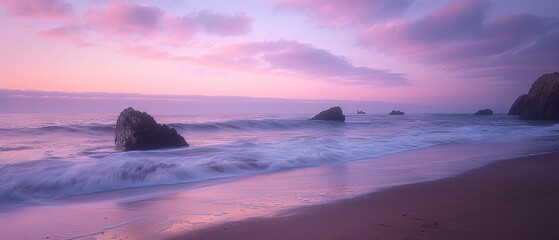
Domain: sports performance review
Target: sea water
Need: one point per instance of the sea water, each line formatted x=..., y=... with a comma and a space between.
x=47, y=156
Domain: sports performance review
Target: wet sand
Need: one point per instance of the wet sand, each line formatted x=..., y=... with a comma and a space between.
x=509, y=199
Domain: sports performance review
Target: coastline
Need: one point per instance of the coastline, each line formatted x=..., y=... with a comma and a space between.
x=508, y=199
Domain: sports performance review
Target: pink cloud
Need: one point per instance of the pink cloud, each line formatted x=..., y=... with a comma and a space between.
x=127, y=22
x=122, y=19
x=335, y=13
x=223, y=24
x=39, y=9
x=74, y=34
x=179, y=30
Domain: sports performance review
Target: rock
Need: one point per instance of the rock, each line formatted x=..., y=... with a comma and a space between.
x=360, y=112
x=541, y=102
x=519, y=105
x=137, y=130
x=395, y=112
x=486, y=111
x=332, y=114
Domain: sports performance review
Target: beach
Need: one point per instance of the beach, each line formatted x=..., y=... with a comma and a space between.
x=508, y=199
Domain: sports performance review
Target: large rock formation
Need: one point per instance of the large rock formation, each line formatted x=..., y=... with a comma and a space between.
x=519, y=105
x=395, y=112
x=137, y=130
x=541, y=102
x=332, y=114
x=486, y=111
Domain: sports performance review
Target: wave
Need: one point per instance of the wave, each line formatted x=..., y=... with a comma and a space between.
x=243, y=125
x=55, y=178
x=106, y=128
x=79, y=165
x=72, y=128
x=17, y=148
x=232, y=125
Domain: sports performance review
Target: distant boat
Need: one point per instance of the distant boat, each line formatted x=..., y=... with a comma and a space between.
x=360, y=112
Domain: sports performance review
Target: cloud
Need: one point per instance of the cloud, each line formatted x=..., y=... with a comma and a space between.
x=335, y=13
x=127, y=22
x=39, y=9
x=123, y=19
x=74, y=34
x=223, y=24
x=290, y=57
x=179, y=30
x=457, y=20
x=299, y=58
x=460, y=37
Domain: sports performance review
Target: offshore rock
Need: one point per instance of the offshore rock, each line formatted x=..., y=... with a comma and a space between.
x=542, y=101
x=519, y=105
x=395, y=112
x=486, y=111
x=332, y=114
x=137, y=130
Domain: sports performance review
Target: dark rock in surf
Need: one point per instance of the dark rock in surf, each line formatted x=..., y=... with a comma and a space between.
x=541, y=102
x=484, y=112
x=395, y=112
x=332, y=114
x=137, y=130
x=519, y=105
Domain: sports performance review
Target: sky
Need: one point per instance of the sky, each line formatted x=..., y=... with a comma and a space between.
x=470, y=54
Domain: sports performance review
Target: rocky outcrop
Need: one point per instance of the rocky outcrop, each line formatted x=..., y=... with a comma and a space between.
x=332, y=114
x=137, y=130
x=486, y=111
x=519, y=105
x=395, y=112
x=541, y=102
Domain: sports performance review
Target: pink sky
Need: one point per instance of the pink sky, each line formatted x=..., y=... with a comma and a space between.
x=406, y=51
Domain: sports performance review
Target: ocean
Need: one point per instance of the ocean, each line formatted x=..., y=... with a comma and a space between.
x=44, y=157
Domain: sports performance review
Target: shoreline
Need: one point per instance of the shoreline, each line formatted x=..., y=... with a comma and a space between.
x=162, y=212
x=507, y=199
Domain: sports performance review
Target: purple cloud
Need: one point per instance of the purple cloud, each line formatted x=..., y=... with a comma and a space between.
x=124, y=18
x=458, y=20
x=295, y=57
x=335, y=13
x=223, y=24
x=289, y=57
x=39, y=9
x=129, y=20
x=460, y=38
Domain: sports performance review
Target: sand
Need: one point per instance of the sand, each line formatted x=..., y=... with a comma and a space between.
x=509, y=199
